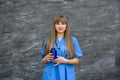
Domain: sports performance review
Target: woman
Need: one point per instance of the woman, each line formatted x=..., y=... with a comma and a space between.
x=68, y=52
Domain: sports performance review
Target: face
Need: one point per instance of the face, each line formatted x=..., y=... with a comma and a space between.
x=60, y=27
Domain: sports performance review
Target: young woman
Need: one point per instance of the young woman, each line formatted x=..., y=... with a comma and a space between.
x=68, y=52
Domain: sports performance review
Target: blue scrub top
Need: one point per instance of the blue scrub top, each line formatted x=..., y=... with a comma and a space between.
x=61, y=71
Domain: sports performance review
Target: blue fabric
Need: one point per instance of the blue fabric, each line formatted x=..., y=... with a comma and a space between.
x=43, y=50
x=77, y=49
x=61, y=71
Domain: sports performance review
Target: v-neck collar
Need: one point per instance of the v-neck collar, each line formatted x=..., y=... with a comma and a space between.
x=60, y=40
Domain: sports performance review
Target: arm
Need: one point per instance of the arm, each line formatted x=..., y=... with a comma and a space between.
x=44, y=60
x=72, y=61
x=66, y=61
x=47, y=58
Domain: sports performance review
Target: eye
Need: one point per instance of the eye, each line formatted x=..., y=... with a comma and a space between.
x=63, y=23
x=57, y=23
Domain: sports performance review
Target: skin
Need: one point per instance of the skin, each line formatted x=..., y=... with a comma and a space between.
x=60, y=28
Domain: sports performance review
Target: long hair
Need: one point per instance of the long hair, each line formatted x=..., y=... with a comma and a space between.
x=51, y=40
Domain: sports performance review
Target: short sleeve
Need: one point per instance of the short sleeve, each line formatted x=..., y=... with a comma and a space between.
x=42, y=54
x=77, y=50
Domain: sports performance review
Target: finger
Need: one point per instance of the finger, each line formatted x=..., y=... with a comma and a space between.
x=48, y=60
x=54, y=61
x=51, y=59
x=51, y=56
x=56, y=64
x=58, y=56
x=50, y=53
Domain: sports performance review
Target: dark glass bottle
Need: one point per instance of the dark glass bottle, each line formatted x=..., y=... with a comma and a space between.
x=54, y=51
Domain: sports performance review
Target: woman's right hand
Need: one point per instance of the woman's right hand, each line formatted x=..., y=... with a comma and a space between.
x=49, y=57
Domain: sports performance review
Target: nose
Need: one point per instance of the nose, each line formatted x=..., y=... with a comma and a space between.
x=60, y=25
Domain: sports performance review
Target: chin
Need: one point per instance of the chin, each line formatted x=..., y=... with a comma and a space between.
x=60, y=32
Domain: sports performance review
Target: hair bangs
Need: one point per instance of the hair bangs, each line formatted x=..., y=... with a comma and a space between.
x=60, y=19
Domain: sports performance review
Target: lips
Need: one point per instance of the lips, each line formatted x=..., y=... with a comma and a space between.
x=60, y=29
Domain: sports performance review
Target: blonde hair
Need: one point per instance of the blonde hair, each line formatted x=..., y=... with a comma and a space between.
x=51, y=40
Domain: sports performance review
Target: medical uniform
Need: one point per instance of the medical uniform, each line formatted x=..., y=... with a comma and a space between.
x=61, y=71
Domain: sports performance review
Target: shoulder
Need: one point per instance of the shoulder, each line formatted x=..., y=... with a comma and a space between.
x=44, y=43
x=74, y=38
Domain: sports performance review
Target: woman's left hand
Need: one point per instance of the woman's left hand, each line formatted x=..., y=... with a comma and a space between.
x=59, y=60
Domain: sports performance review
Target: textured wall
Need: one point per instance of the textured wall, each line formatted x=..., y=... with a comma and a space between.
x=24, y=24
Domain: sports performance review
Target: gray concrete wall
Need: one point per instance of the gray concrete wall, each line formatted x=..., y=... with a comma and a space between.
x=24, y=24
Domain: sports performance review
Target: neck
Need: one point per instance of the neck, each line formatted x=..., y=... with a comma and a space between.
x=60, y=35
